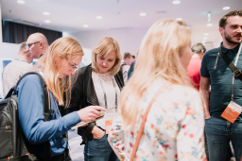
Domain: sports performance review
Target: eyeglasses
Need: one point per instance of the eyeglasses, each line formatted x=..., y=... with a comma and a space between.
x=27, y=46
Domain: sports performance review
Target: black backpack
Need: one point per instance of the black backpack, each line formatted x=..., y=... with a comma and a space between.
x=13, y=145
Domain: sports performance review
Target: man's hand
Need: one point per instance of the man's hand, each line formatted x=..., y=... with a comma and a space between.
x=204, y=92
x=206, y=115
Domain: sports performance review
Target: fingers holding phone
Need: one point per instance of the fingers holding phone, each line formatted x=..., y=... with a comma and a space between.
x=91, y=113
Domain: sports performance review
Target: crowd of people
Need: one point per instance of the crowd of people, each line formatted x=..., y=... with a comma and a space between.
x=163, y=106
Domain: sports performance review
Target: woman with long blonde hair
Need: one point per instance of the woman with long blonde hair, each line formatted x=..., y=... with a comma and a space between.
x=45, y=138
x=174, y=126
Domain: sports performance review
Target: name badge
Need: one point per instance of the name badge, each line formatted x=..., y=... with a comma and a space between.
x=232, y=112
x=108, y=124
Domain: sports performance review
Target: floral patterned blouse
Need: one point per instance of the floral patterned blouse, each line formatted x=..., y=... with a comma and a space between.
x=174, y=129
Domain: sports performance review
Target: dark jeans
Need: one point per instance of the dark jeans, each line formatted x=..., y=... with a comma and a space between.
x=219, y=133
x=99, y=150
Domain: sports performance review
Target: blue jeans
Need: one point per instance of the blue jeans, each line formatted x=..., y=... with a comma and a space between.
x=219, y=133
x=99, y=150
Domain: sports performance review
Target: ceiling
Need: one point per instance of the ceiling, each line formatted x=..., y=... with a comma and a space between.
x=71, y=15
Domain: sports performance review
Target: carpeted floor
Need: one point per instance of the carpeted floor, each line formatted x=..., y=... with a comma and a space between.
x=76, y=150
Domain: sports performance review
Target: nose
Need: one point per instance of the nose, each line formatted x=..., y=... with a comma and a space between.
x=104, y=63
x=239, y=29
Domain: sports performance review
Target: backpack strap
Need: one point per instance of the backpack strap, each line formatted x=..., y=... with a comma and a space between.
x=237, y=72
x=46, y=98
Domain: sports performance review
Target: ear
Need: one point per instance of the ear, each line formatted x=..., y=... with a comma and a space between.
x=41, y=45
x=221, y=30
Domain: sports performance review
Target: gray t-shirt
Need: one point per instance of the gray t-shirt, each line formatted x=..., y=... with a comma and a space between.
x=12, y=72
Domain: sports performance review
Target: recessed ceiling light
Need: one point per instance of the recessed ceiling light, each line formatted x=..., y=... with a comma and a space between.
x=175, y=2
x=179, y=19
x=47, y=21
x=226, y=8
x=46, y=13
x=209, y=24
x=142, y=14
x=20, y=1
x=99, y=17
x=85, y=25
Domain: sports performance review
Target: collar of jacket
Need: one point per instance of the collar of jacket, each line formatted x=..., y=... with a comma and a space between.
x=91, y=94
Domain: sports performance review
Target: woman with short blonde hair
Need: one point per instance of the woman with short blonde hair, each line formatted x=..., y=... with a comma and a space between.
x=100, y=84
x=104, y=47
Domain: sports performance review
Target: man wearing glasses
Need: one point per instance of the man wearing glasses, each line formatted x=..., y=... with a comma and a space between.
x=34, y=48
x=37, y=44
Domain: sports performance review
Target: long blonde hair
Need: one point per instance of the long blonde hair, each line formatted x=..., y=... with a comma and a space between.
x=104, y=47
x=158, y=58
x=61, y=48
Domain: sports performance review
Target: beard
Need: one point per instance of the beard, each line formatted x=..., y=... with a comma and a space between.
x=230, y=40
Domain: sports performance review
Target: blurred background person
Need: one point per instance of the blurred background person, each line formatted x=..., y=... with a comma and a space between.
x=131, y=69
x=17, y=68
x=133, y=59
x=175, y=123
x=219, y=87
x=193, y=69
x=127, y=60
x=99, y=84
x=60, y=62
x=37, y=44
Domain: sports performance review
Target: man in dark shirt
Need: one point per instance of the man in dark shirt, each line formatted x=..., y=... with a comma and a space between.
x=225, y=87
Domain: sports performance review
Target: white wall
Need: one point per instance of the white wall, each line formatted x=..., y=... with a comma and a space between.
x=8, y=50
x=210, y=41
x=129, y=39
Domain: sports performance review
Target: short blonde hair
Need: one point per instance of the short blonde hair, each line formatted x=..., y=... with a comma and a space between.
x=61, y=48
x=104, y=47
x=158, y=58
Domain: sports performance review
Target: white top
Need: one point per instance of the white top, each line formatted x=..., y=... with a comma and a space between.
x=174, y=129
x=13, y=71
x=107, y=91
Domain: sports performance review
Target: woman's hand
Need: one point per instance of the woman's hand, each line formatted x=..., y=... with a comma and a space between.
x=206, y=115
x=97, y=133
x=90, y=113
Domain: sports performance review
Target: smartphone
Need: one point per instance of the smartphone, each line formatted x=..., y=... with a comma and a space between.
x=101, y=115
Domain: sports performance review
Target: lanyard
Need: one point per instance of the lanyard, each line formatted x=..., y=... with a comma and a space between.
x=235, y=63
